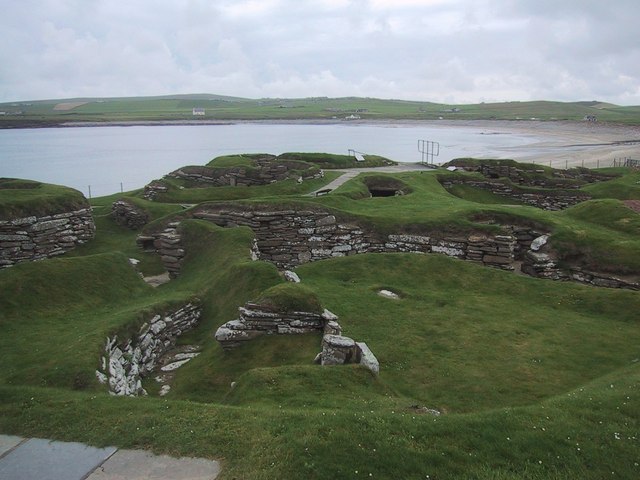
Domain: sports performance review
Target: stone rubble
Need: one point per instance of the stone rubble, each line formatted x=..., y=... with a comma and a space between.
x=126, y=362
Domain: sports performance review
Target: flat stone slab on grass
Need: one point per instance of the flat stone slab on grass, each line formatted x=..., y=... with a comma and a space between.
x=142, y=465
x=49, y=460
x=7, y=442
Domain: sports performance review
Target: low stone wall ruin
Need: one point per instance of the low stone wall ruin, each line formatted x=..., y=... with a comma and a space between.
x=168, y=244
x=266, y=171
x=556, y=200
x=566, y=179
x=541, y=261
x=127, y=361
x=258, y=320
x=289, y=238
x=35, y=238
x=129, y=215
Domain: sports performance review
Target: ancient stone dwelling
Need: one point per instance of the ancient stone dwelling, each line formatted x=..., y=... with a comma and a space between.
x=27, y=237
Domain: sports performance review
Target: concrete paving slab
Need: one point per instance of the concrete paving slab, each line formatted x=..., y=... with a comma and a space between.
x=142, y=465
x=48, y=460
x=7, y=442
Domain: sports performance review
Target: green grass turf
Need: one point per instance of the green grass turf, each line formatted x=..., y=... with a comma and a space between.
x=179, y=107
x=536, y=379
x=23, y=198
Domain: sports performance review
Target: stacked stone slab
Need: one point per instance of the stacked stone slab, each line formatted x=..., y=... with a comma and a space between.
x=153, y=189
x=549, y=200
x=168, y=244
x=497, y=251
x=35, y=238
x=256, y=320
x=339, y=350
x=541, y=261
x=290, y=238
x=573, y=178
x=266, y=170
x=126, y=362
x=129, y=215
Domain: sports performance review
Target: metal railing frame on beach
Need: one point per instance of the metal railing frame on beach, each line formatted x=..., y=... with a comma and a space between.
x=617, y=162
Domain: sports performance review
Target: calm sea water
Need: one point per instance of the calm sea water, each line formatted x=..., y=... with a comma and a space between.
x=106, y=157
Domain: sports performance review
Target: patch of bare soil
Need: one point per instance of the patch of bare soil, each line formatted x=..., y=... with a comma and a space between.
x=68, y=105
x=633, y=205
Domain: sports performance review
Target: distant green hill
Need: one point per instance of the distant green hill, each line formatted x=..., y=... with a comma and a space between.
x=218, y=107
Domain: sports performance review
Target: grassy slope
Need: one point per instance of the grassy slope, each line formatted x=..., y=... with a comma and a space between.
x=179, y=107
x=531, y=390
x=285, y=188
x=22, y=198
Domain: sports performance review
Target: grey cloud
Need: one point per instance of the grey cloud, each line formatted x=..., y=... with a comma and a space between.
x=437, y=50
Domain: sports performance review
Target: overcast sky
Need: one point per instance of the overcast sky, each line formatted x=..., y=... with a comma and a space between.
x=450, y=51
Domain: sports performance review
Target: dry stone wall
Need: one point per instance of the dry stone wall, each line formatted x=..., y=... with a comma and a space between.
x=257, y=320
x=289, y=238
x=266, y=171
x=557, y=200
x=129, y=215
x=127, y=361
x=35, y=238
x=541, y=261
x=573, y=178
x=168, y=244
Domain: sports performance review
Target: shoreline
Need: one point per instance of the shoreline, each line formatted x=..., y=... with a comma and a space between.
x=558, y=143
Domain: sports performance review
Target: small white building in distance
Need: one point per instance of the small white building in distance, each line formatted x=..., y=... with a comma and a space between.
x=198, y=112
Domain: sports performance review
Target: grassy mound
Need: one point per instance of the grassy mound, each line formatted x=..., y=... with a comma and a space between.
x=56, y=314
x=433, y=343
x=331, y=160
x=478, y=195
x=179, y=193
x=290, y=297
x=24, y=198
x=626, y=187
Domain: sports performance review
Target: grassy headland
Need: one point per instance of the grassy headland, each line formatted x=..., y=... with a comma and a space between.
x=180, y=108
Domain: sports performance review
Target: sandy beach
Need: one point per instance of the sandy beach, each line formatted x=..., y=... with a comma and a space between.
x=563, y=144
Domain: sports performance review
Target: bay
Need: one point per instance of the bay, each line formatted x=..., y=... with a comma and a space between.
x=107, y=159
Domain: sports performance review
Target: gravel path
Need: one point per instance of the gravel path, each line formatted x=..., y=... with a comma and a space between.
x=350, y=173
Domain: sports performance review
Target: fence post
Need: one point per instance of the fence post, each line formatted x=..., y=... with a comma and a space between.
x=89, y=192
x=121, y=190
x=566, y=164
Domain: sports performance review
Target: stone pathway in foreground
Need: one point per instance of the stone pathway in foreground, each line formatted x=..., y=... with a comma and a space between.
x=35, y=458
